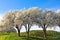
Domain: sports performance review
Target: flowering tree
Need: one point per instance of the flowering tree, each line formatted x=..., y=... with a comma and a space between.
x=44, y=20
x=18, y=21
x=57, y=18
x=9, y=18
x=28, y=17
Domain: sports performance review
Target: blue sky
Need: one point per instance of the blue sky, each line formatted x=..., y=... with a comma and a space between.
x=6, y=5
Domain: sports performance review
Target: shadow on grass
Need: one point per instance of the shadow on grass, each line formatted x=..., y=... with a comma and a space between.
x=32, y=38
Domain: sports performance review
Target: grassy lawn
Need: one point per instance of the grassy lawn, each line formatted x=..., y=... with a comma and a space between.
x=34, y=35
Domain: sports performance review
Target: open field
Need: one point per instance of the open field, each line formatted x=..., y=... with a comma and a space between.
x=34, y=35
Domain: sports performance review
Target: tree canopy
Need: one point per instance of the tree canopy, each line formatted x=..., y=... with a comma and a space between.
x=42, y=18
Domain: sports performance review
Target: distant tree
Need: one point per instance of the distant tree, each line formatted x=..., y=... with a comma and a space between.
x=1, y=25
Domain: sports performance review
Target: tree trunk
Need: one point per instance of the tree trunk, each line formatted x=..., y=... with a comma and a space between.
x=44, y=33
x=28, y=31
x=44, y=30
x=18, y=30
x=59, y=25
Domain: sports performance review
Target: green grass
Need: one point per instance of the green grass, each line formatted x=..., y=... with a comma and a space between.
x=34, y=35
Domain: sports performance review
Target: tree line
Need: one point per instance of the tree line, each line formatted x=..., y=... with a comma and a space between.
x=31, y=16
